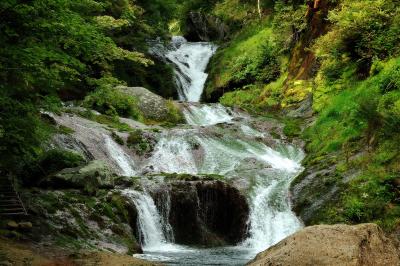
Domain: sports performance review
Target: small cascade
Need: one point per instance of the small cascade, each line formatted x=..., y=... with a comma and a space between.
x=271, y=218
x=117, y=154
x=150, y=221
x=163, y=203
x=206, y=115
x=173, y=154
x=190, y=61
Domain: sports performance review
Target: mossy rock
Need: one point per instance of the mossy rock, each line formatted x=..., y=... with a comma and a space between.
x=90, y=177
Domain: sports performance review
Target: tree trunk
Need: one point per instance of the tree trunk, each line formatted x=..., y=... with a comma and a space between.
x=259, y=8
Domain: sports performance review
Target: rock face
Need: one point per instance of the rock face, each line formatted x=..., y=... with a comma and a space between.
x=207, y=213
x=363, y=244
x=206, y=28
x=152, y=105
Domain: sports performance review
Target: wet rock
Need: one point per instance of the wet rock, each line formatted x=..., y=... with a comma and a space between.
x=68, y=142
x=206, y=28
x=363, y=244
x=208, y=213
x=89, y=177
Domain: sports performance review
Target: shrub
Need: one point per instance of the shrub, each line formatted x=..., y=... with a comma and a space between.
x=57, y=159
x=361, y=32
x=50, y=162
x=112, y=102
x=174, y=115
x=262, y=67
x=135, y=137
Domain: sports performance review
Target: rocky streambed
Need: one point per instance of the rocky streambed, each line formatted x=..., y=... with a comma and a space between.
x=213, y=189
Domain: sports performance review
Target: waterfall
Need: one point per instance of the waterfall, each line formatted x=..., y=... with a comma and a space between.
x=233, y=150
x=117, y=154
x=190, y=61
x=153, y=234
x=271, y=218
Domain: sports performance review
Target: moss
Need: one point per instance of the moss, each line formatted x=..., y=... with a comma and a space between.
x=292, y=128
x=135, y=137
x=65, y=130
x=117, y=138
x=112, y=122
x=174, y=114
x=138, y=142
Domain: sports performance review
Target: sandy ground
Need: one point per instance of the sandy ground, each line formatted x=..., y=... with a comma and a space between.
x=21, y=254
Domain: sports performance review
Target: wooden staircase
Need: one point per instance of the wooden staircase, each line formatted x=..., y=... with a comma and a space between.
x=10, y=202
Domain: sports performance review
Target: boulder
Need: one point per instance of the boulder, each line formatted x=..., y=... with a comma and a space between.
x=363, y=244
x=90, y=177
x=150, y=104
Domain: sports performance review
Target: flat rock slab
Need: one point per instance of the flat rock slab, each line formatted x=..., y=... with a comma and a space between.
x=344, y=245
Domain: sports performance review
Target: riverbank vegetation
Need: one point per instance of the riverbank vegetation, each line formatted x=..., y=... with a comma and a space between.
x=350, y=71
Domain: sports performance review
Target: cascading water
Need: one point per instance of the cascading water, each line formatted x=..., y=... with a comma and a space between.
x=155, y=232
x=123, y=160
x=190, y=61
x=232, y=149
x=206, y=115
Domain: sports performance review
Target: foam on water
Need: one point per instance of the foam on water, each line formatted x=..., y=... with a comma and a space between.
x=190, y=61
x=206, y=115
x=123, y=160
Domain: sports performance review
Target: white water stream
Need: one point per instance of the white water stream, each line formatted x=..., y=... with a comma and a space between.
x=233, y=153
x=122, y=159
x=190, y=61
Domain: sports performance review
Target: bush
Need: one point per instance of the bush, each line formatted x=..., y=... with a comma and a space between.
x=135, y=137
x=57, y=159
x=361, y=32
x=51, y=162
x=112, y=102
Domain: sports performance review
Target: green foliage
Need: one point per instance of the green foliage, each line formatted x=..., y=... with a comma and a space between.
x=263, y=67
x=251, y=57
x=56, y=159
x=292, y=128
x=50, y=162
x=117, y=138
x=52, y=48
x=362, y=31
x=174, y=115
x=363, y=118
x=256, y=98
x=112, y=102
x=21, y=133
x=138, y=142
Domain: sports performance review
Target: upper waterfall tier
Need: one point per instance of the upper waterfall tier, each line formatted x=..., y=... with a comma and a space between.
x=190, y=61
